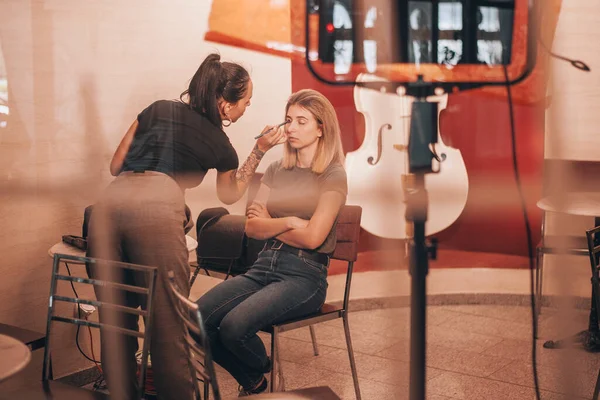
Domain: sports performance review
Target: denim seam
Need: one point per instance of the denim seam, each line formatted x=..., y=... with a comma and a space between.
x=288, y=309
x=229, y=301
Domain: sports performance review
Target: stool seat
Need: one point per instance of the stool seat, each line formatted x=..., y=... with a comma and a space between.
x=33, y=340
x=63, y=248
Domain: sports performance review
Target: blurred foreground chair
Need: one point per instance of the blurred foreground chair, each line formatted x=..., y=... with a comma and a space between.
x=197, y=346
x=50, y=389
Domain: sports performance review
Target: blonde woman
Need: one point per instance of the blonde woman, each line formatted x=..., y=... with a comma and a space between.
x=295, y=211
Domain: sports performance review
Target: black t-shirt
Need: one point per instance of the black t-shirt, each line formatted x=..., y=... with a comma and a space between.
x=174, y=139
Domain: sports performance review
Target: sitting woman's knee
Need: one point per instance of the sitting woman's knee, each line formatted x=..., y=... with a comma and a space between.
x=232, y=331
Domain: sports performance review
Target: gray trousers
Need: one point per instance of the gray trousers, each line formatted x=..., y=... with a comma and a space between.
x=140, y=219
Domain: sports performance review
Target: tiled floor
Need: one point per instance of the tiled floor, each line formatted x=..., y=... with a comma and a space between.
x=474, y=352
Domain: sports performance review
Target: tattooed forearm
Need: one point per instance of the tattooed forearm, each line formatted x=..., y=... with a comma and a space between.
x=245, y=172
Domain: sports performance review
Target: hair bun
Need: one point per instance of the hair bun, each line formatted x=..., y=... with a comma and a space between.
x=213, y=57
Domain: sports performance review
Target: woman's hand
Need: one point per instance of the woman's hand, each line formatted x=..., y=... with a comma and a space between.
x=271, y=139
x=257, y=210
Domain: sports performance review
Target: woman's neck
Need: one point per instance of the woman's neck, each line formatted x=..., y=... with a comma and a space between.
x=306, y=155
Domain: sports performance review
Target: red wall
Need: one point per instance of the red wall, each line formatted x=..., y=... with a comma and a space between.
x=478, y=124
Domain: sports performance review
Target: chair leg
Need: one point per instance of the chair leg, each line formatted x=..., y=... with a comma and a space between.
x=351, y=355
x=195, y=275
x=51, y=372
x=274, y=358
x=206, y=390
x=313, y=336
x=276, y=370
x=597, y=387
x=541, y=282
x=539, y=262
x=280, y=377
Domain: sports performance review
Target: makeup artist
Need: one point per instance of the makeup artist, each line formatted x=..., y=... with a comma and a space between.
x=140, y=217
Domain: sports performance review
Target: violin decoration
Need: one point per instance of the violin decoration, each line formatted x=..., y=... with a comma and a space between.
x=378, y=174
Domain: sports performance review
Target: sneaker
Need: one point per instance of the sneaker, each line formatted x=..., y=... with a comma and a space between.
x=261, y=387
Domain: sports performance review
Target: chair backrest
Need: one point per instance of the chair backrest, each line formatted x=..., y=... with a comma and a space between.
x=347, y=233
x=144, y=287
x=346, y=248
x=196, y=341
x=593, y=249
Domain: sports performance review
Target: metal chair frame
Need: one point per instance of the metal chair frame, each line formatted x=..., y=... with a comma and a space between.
x=54, y=316
x=200, y=359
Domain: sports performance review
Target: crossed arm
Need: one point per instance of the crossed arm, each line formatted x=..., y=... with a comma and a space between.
x=294, y=231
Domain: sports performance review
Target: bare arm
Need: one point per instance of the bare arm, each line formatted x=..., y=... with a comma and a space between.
x=260, y=225
x=267, y=228
x=231, y=185
x=119, y=157
x=319, y=226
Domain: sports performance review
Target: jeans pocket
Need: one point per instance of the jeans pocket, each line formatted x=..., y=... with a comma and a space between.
x=313, y=264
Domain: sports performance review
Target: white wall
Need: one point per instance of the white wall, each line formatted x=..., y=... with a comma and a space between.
x=78, y=74
x=574, y=121
x=99, y=63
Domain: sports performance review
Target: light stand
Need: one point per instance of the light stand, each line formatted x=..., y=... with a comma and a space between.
x=421, y=152
x=423, y=136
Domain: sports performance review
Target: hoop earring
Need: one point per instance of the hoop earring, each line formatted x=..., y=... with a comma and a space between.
x=227, y=119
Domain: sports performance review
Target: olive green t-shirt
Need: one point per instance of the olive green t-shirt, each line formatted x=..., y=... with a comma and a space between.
x=296, y=192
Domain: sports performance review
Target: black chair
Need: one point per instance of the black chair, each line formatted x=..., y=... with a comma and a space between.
x=347, y=233
x=199, y=358
x=221, y=243
x=50, y=389
x=594, y=250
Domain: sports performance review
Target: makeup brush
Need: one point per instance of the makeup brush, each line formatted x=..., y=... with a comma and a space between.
x=275, y=127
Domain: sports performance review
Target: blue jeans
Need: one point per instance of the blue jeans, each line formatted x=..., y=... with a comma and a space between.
x=278, y=287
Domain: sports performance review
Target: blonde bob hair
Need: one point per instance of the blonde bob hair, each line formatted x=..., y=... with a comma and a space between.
x=329, y=148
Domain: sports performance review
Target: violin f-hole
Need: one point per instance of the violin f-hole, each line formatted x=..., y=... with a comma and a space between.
x=370, y=160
